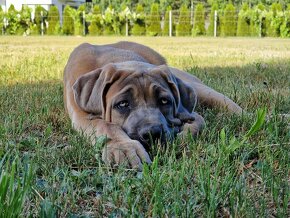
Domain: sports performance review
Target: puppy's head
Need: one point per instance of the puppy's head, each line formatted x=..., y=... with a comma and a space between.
x=147, y=101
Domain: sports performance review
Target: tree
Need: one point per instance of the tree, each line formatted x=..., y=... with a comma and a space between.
x=174, y=4
x=68, y=21
x=13, y=19
x=164, y=4
x=274, y=19
x=53, y=21
x=25, y=20
x=244, y=21
x=108, y=21
x=40, y=15
x=138, y=18
x=198, y=21
x=153, y=21
x=1, y=20
x=78, y=17
x=183, y=27
x=123, y=20
x=285, y=27
x=258, y=14
x=229, y=21
x=95, y=28
x=210, y=30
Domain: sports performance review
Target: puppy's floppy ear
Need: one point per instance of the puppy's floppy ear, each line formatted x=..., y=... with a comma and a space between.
x=90, y=89
x=185, y=96
x=188, y=96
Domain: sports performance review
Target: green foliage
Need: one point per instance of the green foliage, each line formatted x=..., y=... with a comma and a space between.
x=198, y=21
x=115, y=23
x=68, y=27
x=285, y=27
x=255, y=22
x=229, y=21
x=25, y=20
x=173, y=4
x=274, y=19
x=165, y=30
x=138, y=19
x=53, y=21
x=258, y=25
x=18, y=22
x=183, y=27
x=13, y=19
x=78, y=17
x=244, y=21
x=95, y=28
x=1, y=20
x=36, y=28
x=153, y=21
x=261, y=116
x=123, y=21
x=109, y=21
x=15, y=183
x=210, y=30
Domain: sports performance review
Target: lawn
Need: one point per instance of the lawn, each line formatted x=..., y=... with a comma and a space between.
x=224, y=172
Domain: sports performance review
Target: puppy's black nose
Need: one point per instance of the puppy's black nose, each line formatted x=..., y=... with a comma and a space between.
x=151, y=133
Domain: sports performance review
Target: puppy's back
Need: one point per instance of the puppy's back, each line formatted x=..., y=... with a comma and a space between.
x=147, y=53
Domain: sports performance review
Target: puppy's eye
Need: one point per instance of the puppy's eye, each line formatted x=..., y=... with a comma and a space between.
x=164, y=101
x=122, y=105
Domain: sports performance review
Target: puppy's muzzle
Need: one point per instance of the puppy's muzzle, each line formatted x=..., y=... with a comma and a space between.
x=151, y=134
x=148, y=126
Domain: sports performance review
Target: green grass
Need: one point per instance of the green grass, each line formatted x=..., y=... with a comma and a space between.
x=230, y=169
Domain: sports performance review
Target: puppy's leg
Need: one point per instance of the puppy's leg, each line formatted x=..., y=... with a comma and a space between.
x=119, y=149
x=206, y=95
x=209, y=97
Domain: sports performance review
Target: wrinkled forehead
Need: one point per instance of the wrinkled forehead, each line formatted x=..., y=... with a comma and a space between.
x=140, y=84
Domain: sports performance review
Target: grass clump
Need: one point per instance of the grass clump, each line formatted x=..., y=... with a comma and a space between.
x=15, y=184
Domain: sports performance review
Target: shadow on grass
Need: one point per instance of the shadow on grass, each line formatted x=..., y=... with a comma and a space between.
x=253, y=86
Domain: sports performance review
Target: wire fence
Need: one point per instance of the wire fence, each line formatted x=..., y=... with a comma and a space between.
x=171, y=23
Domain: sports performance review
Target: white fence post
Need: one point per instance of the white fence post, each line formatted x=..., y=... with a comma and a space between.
x=215, y=23
x=84, y=23
x=41, y=25
x=3, y=26
x=191, y=12
x=127, y=27
x=170, y=23
x=261, y=23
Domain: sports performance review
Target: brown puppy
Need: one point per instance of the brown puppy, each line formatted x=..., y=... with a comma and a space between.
x=126, y=92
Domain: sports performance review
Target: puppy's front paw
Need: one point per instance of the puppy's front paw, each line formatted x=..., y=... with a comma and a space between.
x=193, y=127
x=125, y=152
